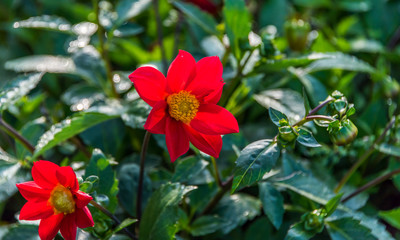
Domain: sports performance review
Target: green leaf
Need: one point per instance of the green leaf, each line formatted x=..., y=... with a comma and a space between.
x=237, y=23
x=348, y=228
x=306, y=138
x=306, y=102
x=160, y=215
x=127, y=9
x=126, y=223
x=90, y=66
x=313, y=3
x=67, y=129
x=46, y=22
x=287, y=101
x=128, y=177
x=297, y=232
x=205, y=225
x=392, y=217
x=188, y=168
x=308, y=187
x=202, y=18
x=236, y=210
x=42, y=63
x=17, y=88
x=32, y=132
x=272, y=201
x=389, y=149
x=254, y=161
x=332, y=204
x=128, y=30
x=136, y=114
x=81, y=96
x=276, y=116
x=258, y=229
x=99, y=165
x=21, y=231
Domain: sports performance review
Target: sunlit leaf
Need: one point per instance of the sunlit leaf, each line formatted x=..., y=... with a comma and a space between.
x=42, y=63
x=348, y=228
x=47, y=22
x=306, y=138
x=389, y=149
x=127, y=9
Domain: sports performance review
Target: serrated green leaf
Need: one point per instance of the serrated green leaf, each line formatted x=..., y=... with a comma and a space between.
x=205, y=225
x=306, y=138
x=287, y=101
x=276, y=116
x=297, y=232
x=128, y=177
x=332, y=204
x=68, y=128
x=127, y=9
x=188, y=168
x=389, y=149
x=160, y=215
x=392, y=217
x=42, y=63
x=46, y=22
x=99, y=165
x=348, y=228
x=17, y=88
x=237, y=23
x=236, y=210
x=254, y=161
x=202, y=18
x=272, y=202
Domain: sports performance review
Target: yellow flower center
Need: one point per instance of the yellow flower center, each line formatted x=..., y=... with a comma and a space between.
x=183, y=106
x=61, y=200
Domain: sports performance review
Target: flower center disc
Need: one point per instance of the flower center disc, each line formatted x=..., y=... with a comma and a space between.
x=61, y=200
x=183, y=106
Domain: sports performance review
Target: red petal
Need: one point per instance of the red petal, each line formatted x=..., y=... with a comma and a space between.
x=156, y=120
x=84, y=218
x=68, y=227
x=32, y=192
x=48, y=228
x=208, y=77
x=212, y=119
x=149, y=83
x=181, y=71
x=44, y=174
x=82, y=199
x=66, y=176
x=210, y=144
x=214, y=97
x=36, y=211
x=176, y=138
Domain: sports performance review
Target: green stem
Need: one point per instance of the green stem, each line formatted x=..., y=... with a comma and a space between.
x=141, y=175
x=372, y=183
x=321, y=105
x=112, y=216
x=364, y=157
x=14, y=134
x=313, y=117
x=217, y=176
x=160, y=35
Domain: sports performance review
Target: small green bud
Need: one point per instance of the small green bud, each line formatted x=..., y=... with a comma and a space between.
x=314, y=221
x=287, y=134
x=297, y=31
x=339, y=105
x=342, y=132
x=390, y=87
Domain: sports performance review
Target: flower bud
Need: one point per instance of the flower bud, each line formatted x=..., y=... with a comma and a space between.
x=314, y=220
x=342, y=132
x=390, y=87
x=339, y=105
x=297, y=32
x=287, y=135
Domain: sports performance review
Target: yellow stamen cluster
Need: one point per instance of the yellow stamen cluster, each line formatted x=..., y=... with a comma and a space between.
x=61, y=200
x=183, y=106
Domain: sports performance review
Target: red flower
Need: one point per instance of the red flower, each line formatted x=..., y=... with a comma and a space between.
x=54, y=197
x=206, y=5
x=184, y=104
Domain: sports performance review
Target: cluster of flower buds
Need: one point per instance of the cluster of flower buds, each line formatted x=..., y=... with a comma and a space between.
x=341, y=131
x=287, y=134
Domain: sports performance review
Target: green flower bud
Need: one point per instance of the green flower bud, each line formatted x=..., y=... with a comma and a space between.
x=267, y=46
x=342, y=132
x=314, y=221
x=390, y=87
x=297, y=31
x=287, y=134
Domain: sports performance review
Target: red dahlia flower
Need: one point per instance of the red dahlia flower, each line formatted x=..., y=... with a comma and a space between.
x=54, y=197
x=185, y=104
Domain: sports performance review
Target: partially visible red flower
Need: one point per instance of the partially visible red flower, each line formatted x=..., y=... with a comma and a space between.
x=54, y=197
x=206, y=5
x=185, y=104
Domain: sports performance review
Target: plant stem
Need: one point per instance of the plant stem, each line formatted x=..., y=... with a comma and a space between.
x=217, y=176
x=160, y=35
x=112, y=216
x=364, y=157
x=104, y=49
x=313, y=117
x=141, y=174
x=321, y=105
x=14, y=134
x=371, y=184
x=214, y=201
